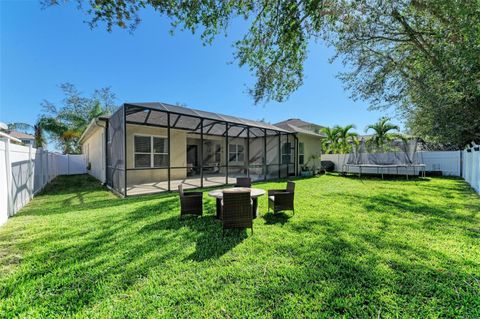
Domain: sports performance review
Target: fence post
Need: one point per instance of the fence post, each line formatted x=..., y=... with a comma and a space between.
x=8, y=173
x=40, y=167
x=476, y=167
x=68, y=164
x=30, y=172
x=46, y=168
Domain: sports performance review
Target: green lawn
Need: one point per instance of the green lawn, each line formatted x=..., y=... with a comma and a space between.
x=354, y=249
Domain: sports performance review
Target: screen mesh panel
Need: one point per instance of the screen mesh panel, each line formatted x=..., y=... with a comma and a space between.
x=210, y=156
x=185, y=122
x=116, y=151
x=181, y=110
x=273, y=150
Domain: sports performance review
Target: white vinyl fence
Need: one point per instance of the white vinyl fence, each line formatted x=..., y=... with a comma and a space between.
x=24, y=171
x=471, y=166
x=449, y=163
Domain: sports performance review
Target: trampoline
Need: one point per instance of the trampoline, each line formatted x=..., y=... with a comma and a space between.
x=393, y=157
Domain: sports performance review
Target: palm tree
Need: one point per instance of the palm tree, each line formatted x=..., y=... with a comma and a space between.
x=345, y=138
x=382, y=131
x=330, y=141
x=79, y=121
x=67, y=125
x=38, y=131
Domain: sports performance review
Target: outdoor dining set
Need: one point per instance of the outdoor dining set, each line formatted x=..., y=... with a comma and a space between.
x=237, y=206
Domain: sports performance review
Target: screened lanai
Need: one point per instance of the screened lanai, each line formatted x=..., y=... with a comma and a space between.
x=154, y=147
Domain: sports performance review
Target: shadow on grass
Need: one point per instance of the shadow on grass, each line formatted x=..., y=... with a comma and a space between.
x=363, y=275
x=116, y=254
x=276, y=218
x=205, y=232
x=359, y=273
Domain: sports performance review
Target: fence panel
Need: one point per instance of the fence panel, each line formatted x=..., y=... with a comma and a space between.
x=471, y=167
x=3, y=183
x=24, y=171
x=338, y=159
x=21, y=168
x=77, y=164
x=446, y=162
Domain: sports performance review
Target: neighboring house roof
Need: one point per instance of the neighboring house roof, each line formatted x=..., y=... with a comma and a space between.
x=21, y=135
x=205, y=114
x=2, y=134
x=300, y=126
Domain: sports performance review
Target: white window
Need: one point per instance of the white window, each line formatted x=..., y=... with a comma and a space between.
x=236, y=153
x=286, y=153
x=301, y=153
x=150, y=151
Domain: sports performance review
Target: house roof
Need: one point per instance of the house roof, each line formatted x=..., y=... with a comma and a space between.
x=21, y=135
x=91, y=127
x=288, y=126
x=206, y=115
x=2, y=134
x=300, y=126
x=295, y=129
x=298, y=123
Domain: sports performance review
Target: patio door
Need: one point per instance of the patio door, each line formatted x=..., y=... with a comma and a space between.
x=192, y=155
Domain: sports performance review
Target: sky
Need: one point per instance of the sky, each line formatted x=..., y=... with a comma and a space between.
x=42, y=48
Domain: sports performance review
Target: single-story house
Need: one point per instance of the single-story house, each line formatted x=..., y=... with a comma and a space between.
x=153, y=147
x=27, y=139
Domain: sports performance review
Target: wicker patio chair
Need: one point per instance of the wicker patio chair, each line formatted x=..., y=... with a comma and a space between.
x=191, y=203
x=282, y=199
x=236, y=210
x=244, y=182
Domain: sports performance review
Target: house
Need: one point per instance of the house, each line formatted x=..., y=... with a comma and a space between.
x=153, y=147
x=309, y=139
x=25, y=138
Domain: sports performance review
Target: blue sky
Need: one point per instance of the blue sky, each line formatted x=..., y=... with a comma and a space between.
x=42, y=48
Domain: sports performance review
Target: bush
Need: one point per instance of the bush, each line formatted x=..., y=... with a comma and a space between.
x=327, y=166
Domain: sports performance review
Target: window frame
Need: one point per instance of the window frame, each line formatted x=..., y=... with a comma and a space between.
x=301, y=153
x=289, y=154
x=151, y=153
x=236, y=152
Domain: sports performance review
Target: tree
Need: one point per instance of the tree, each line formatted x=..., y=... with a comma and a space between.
x=37, y=128
x=338, y=139
x=66, y=123
x=419, y=56
x=346, y=138
x=330, y=141
x=274, y=47
x=383, y=132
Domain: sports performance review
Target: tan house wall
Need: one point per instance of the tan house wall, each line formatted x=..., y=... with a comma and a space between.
x=312, y=146
x=94, y=149
x=178, y=155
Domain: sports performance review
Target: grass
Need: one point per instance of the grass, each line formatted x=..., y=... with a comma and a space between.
x=354, y=249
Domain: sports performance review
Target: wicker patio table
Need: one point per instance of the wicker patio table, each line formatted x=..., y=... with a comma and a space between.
x=254, y=193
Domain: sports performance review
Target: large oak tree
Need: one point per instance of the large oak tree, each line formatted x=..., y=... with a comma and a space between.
x=420, y=56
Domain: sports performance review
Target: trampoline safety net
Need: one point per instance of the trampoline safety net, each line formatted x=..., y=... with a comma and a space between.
x=397, y=156
x=395, y=152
